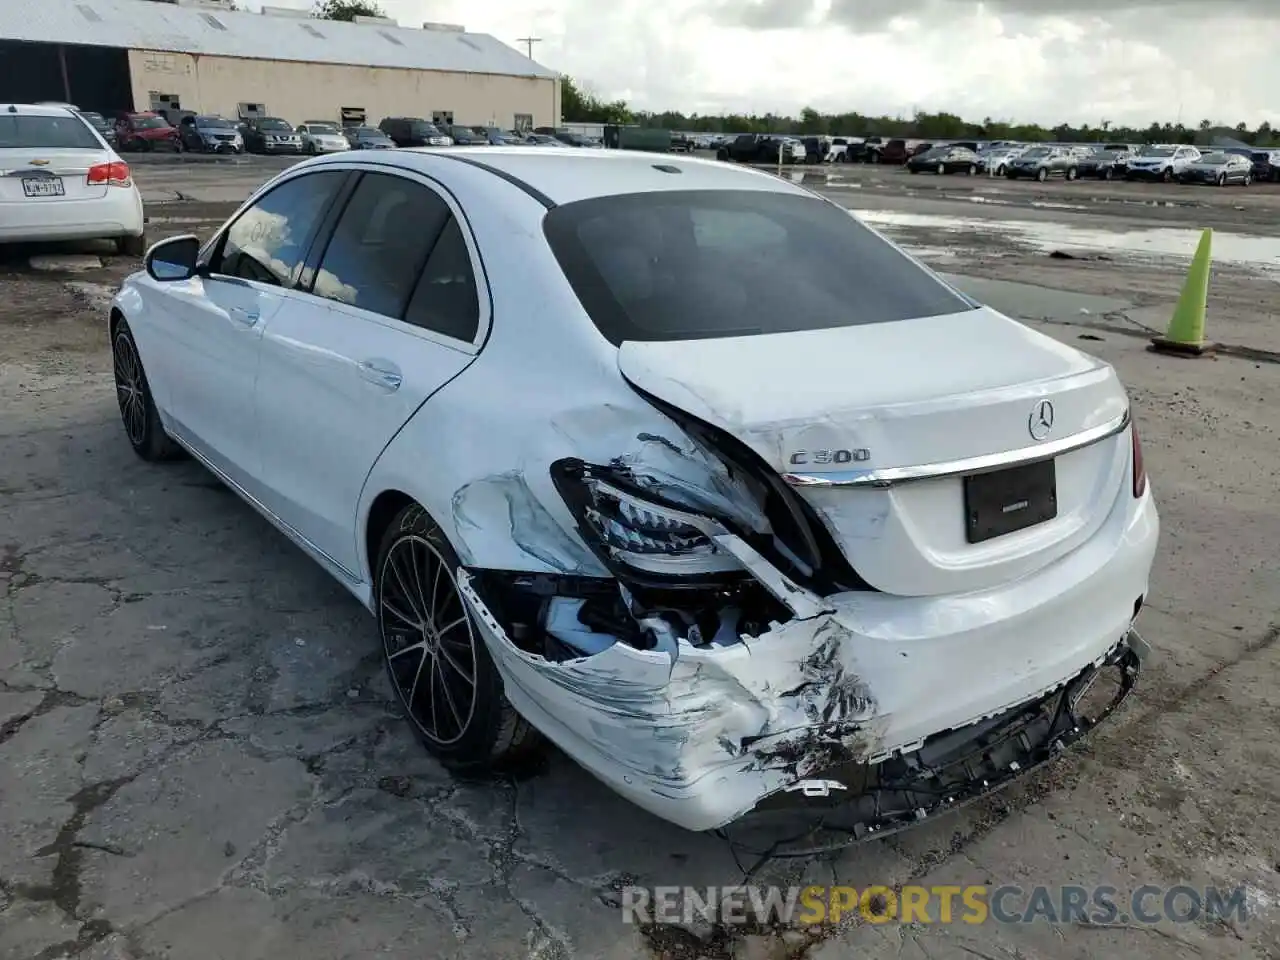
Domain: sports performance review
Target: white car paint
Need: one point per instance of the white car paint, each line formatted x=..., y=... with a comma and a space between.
x=322, y=138
x=1162, y=160
x=94, y=203
x=313, y=409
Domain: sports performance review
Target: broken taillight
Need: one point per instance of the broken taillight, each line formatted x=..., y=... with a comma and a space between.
x=114, y=174
x=1139, y=468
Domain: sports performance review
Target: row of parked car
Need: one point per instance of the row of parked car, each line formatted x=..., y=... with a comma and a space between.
x=1161, y=162
x=138, y=131
x=1164, y=162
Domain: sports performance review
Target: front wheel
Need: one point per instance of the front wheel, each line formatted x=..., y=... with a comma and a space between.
x=1167, y=175
x=1247, y=181
x=942, y=168
x=972, y=170
x=1108, y=173
x=436, y=659
x=1043, y=174
x=1222, y=179
x=1072, y=173
x=137, y=407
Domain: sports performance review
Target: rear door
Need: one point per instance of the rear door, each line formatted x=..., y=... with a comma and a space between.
x=398, y=308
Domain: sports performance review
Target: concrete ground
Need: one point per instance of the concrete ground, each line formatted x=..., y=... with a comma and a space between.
x=199, y=757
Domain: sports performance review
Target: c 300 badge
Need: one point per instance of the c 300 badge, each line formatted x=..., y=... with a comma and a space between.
x=803, y=458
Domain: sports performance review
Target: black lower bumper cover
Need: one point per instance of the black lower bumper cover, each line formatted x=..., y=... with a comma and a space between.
x=949, y=770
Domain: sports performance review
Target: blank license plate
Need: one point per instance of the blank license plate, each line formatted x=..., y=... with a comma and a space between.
x=43, y=187
x=1008, y=500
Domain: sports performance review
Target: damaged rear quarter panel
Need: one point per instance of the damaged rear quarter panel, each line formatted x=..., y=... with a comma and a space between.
x=702, y=739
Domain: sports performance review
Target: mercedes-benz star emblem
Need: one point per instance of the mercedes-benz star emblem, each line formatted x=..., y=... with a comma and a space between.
x=1040, y=422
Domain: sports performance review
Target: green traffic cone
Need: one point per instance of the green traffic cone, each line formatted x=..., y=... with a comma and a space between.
x=1186, y=329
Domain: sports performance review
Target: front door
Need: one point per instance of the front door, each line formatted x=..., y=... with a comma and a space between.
x=215, y=340
x=394, y=315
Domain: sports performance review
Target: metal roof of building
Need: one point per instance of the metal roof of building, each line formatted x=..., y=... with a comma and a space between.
x=147, y=25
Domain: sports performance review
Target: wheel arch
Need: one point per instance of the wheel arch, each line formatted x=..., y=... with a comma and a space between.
x=386, y=506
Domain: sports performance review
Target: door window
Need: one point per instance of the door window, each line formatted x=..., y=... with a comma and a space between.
x=268, y=242
x=380, y=244
x=445, y=300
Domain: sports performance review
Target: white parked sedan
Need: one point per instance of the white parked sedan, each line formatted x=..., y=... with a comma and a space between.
x=320, y=137
x=60, y=181
x=675, y=462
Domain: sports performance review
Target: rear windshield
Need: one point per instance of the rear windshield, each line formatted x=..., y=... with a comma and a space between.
x=690, y=265
x=63, y=133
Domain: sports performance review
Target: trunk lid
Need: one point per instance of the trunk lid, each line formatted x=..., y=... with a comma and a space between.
x=71, y=167
x=874, y=406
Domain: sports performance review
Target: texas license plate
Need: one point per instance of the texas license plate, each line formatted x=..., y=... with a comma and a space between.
x=43, y=187
x=1005, y=501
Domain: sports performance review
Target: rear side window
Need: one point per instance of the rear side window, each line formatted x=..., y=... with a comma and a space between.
x=46, y=133
x=380, y=244
x=446, y=299
x=690, y=265
x=269, y=240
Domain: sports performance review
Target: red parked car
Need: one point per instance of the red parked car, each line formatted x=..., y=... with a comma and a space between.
x=146, y=131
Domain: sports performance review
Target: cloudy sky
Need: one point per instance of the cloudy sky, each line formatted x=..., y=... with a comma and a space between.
x=1129, y=61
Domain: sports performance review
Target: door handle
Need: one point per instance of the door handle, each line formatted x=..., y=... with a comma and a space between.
x=382, y=373
x=248, y=318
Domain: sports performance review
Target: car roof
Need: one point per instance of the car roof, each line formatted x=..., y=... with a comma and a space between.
x=567, y=174
x=36, y=110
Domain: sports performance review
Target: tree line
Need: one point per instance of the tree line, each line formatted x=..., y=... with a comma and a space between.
x=578, y=105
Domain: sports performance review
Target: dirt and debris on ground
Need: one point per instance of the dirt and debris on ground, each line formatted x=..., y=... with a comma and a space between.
x=200, y=758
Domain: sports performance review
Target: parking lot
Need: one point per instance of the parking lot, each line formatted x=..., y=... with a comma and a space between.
x=199, y=755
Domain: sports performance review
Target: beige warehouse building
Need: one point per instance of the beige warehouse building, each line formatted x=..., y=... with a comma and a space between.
x=111, y=55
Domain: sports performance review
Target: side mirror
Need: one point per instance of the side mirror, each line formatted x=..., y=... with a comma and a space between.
x=173, y=259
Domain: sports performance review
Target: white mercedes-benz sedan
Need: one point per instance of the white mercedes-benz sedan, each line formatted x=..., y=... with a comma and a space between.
x=676, y=464
x=59, y=180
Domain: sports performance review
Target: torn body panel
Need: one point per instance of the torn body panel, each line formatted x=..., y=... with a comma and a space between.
x=701, y=735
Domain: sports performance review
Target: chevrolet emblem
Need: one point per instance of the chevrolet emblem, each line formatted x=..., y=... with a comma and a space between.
x=39, y=163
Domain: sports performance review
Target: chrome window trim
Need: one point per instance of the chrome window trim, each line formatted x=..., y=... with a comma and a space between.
x=891, y=476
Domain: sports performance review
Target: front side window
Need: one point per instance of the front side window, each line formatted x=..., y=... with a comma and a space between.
x=380, y=244
x=687, y=265
x=268, y=242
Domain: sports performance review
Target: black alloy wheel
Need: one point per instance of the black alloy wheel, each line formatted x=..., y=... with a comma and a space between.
x=436, y=658
x=137, y=408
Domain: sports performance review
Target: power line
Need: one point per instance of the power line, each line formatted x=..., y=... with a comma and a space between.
x=528, y=44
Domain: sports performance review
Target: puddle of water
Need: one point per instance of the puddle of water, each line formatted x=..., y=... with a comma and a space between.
x=1233, y=248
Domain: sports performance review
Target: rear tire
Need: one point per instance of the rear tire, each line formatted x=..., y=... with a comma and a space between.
x=1108, y=173
x=973, y=171
x=458, y=709
x=1167, y=175
x=1072, y=173
x=942, y=168
x=1222, y=179
x=132, y=246
x=137, y=408
x=1042, y=174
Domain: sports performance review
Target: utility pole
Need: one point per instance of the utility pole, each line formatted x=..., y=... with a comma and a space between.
x=528, y=44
